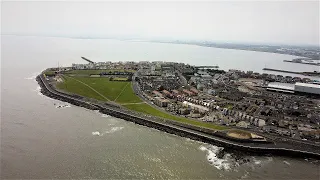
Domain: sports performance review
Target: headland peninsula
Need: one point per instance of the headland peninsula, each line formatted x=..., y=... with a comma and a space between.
x=247, y=111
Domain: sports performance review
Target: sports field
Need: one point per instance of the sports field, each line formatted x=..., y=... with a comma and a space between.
x=100, y=88
x=120, y=92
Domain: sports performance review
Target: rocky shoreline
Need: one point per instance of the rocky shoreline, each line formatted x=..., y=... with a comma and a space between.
x=184, y=130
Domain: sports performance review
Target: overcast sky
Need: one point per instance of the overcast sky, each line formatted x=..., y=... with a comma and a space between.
x=282, y=22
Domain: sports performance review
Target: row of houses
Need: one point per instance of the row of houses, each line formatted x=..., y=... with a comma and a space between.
x=195, y=107
x=106, y=65
x=187, y=101
x=240, y=116
x=176, y=93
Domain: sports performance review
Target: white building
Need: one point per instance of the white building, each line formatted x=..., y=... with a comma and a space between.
x=196, y=107
x=83, y=66
x=307, y=88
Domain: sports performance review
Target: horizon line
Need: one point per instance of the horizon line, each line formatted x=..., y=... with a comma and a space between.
x=166, y=39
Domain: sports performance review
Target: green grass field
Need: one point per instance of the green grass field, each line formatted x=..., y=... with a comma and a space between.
x=71, y=85
x=147, y=109
x=97, y=71
x=49, y=73
x=122, y=93
x=109, y=89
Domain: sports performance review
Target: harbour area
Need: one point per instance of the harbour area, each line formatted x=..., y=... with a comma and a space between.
x=186, y=97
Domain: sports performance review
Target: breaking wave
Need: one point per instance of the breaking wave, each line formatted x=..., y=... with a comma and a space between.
x=38, y=90
x=226, y=161
x=96, y=133
x=192, y=141
x=212, y=157
x=105, y=115
x=62, y=105
x=102, y=115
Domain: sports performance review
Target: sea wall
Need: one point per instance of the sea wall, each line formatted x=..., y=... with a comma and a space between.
x=184, y=130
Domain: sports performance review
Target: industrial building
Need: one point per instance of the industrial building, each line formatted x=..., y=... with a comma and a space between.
x=307, y=88
x=281, y=87
x=294, y=88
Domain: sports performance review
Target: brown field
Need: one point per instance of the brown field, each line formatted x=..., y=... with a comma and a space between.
x=239, y=134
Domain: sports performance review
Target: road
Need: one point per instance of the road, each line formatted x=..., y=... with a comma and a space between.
x=182, y=78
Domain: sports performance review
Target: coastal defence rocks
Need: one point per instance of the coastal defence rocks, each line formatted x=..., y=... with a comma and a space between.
x=184, y=130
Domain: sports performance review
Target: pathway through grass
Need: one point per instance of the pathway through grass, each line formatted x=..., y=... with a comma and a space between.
x=121, y=92
x=91, y=88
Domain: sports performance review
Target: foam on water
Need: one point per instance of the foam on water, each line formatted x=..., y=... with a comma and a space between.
x=62, y=106
x=38, y=90
x=96, y=133
x=229, y=162
x=287, y=163
x=245, y=175
x=257, y=162
x=202, y=148
x=212, y=152
x=102, y=115
x=112, y=130
x=191, y=140
x=105, y=115
x=33, y=76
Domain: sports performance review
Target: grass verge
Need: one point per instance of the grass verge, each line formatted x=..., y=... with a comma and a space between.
x=147, y=109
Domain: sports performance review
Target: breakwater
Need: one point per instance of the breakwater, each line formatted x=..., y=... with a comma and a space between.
x=180, y=129
x=301, y=62
x=293, y=72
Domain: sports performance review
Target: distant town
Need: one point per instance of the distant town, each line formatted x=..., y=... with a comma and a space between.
x=308, y=52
